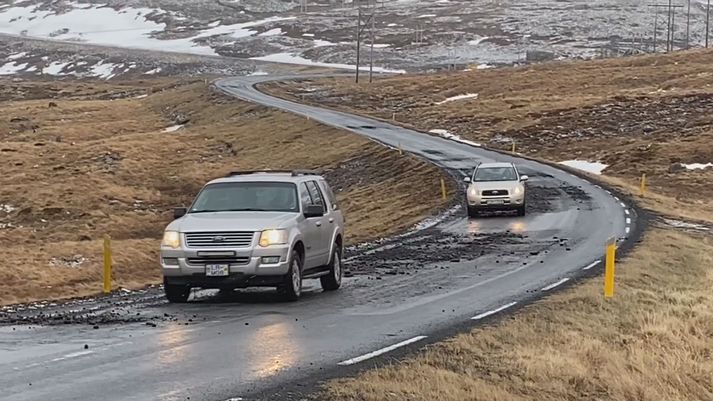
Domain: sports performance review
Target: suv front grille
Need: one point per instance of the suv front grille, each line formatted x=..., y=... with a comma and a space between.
x=219, y=239
x=230, y=260
x=495, y=192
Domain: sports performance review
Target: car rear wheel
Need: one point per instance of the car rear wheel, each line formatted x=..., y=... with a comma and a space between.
x=333, y=280
x=177, y=294
x=292, y=282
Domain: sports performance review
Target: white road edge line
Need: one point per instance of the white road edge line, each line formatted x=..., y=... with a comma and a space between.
x=380, y=351
x=494, y=311
x=628, y=229
x=628, y=220
x=592, y=265
x=623, y=204
x=551, y=286
x=616, y=197
x=626, y=211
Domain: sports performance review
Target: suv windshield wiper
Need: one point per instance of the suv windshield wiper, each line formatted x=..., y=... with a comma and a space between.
x=247, y=209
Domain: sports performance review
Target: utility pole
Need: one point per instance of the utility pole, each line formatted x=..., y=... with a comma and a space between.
x=688, y=25
x=303, y=6
x=358, y=43
x=656, y=27
x=371, y=50
x=360, y=29
x=668, y=31
x=673, y=27
x=708, y=17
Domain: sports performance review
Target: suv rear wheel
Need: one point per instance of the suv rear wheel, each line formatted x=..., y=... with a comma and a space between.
x=292, y=282
x=177, y=294
x=333, y=280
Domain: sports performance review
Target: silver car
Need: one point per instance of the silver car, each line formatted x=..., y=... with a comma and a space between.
x=255, y=228
x=495, y=186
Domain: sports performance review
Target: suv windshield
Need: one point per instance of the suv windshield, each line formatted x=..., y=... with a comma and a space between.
x=247, y=196
x=495, y=174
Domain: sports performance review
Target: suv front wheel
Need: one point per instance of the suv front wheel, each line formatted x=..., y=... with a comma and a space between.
x=333, y=280
x=292, y=282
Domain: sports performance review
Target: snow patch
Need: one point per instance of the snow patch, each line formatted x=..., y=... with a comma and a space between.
x=290, y=58
x=590, y=167
x=322, y=43
x=127, y=28
x=173, y=128
x=427, y=16
x=16, y=56
x=154, y=71
x=12, y=68
x=459, y=97
x=476, y=42
x=7, y=208
x=308, y=35
x=55, y=68
x=453, y=137
x=141, y=96
x=272, y=32
x=104, y=71
x=697, y=166
x=257, y=73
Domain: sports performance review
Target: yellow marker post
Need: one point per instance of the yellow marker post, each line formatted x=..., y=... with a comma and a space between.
x=513, y=146
x=107, y=264
x=401, y=152
x=444, y=193
x=393, y=116
x=609, y=269
x=642, y=188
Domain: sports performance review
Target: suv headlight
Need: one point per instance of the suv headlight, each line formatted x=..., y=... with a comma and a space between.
x=171, y=239
x=273, y=237
x=472, y=192
x=518, y=190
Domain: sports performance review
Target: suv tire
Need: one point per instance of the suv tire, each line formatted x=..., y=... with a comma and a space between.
x=521, y=210
x=333, y=280
x=176, y=293
x=292, y=282
x=472, y=212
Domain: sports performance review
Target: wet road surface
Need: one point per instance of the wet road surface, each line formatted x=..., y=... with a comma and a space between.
x=135, y=346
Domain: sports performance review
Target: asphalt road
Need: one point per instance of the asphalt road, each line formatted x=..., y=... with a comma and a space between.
x=250, y=344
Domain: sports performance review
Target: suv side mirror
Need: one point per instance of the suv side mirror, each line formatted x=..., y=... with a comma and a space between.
x=466, y=179
x=313, y=211
x=524, y=178
x=179, y=212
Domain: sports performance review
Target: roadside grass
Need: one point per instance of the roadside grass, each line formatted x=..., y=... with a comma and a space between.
x=98, y=162
x=651, y=342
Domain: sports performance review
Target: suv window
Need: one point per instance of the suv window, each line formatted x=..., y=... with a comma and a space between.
x=330, y=195
x=317, y=198
x=305, y=197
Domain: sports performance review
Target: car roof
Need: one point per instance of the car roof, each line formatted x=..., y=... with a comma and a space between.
x=494, y=165
x=262, y=176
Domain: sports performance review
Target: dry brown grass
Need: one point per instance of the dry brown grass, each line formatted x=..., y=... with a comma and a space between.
x=92, y=166
x=651, y=342
x=638, y=115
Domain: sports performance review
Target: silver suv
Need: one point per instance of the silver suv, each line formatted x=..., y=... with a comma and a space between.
x=495, y=186
x=255, y=228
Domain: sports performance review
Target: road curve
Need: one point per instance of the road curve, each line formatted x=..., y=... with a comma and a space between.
x=255, y=345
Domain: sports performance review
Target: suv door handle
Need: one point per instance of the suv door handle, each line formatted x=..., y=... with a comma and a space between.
x=319, y=224
x=331, y=220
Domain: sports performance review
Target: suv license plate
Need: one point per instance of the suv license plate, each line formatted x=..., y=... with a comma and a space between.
x=496, y=202
x=217, y=270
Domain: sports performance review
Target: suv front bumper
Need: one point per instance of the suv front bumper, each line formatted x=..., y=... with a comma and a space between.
x=192, y=262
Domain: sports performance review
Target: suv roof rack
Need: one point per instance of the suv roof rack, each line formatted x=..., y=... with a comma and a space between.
x=294, y=173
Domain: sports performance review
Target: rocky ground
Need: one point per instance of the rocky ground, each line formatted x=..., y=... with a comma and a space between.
x=408, y=35
x=647, y=114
